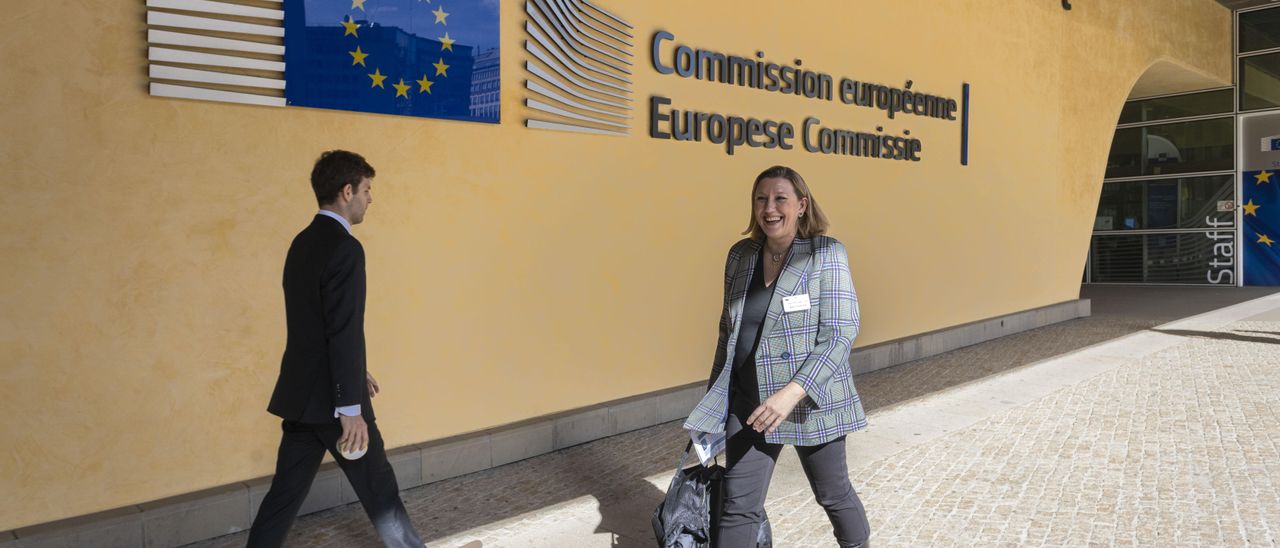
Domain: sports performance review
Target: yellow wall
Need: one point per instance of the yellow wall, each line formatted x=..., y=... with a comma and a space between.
x=512, y=272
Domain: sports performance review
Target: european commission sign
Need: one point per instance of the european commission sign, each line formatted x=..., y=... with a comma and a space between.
x=579, y=70
x=758, y=72
x=579, y=67
x=441, y=59
x=400, y=57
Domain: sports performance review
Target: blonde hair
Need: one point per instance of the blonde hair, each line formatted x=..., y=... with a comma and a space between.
x=814, y=223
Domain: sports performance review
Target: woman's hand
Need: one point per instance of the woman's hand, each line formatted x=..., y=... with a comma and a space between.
x=770, y=414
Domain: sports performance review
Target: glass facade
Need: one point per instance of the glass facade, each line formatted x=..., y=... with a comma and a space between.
x=1178, y=147
x=1259, y=78
x=1177, y=106
x=1167, y=231
x=1199, y=258
x=1162, y=204
x=1168, y=209
x=1259, y=30
x=1151, y=228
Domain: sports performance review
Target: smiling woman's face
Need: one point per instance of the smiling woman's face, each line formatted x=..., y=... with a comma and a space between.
x=777, y=209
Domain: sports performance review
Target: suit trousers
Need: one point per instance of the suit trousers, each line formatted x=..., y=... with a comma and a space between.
x=302, y=447
x=749, y=467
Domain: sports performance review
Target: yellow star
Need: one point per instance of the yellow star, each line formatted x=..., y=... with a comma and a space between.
x=378, y=77
x=1250, y=208
x=1263, y=176
x=424, y=84
x=1263, y=239
x=357, y=57
x=440, y=15
x=358, y=4
x=402, y=89
x=351, y=27
x=441, y=68
x=446, y=43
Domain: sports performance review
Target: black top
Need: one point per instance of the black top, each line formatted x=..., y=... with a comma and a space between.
x=324, y=360
x=754, y=310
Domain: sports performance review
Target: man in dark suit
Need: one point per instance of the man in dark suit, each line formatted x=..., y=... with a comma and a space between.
x=324, y=390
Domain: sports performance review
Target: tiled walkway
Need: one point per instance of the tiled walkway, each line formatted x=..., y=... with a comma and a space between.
x=1097, y=431
x=1181, y=448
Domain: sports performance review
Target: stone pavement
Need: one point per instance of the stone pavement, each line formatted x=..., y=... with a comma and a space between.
x=1120, y=429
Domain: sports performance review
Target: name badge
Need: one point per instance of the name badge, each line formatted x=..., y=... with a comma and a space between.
x=795, y=303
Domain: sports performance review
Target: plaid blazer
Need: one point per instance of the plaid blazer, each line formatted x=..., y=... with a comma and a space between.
x=810, y=346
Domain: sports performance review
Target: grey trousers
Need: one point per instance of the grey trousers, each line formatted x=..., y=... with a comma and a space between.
x=749, y=467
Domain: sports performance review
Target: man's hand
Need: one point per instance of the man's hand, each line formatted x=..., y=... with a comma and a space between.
x=355, y=434
x=770, y=414
x=373, y=384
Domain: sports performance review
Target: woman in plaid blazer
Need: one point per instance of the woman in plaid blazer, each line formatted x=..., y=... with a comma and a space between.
x=781, y=374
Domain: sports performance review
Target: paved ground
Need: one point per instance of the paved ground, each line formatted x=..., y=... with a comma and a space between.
x=1120, y=429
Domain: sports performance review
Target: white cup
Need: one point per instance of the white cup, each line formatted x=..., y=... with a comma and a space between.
x=353, y=455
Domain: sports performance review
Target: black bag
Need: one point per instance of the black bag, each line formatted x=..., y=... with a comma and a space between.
x=689, y=513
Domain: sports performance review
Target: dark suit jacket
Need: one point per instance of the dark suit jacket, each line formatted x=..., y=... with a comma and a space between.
x=324, y=359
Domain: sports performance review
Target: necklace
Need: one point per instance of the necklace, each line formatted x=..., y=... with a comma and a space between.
x=777, y=257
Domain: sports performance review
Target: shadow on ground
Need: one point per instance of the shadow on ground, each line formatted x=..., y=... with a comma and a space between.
x=605, y=480
x=1224, y=335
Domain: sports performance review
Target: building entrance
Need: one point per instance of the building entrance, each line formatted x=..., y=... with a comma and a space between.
x=1166, y=215
x=1192, y=187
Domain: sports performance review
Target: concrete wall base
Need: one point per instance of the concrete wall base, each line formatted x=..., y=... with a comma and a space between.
x=890, y=353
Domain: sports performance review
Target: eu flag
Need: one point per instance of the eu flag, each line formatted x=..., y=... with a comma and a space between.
x=436, y=59
x=1261, y=204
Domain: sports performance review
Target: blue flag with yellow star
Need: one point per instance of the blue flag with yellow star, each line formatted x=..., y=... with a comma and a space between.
x=1260, y=198
x=431, y=58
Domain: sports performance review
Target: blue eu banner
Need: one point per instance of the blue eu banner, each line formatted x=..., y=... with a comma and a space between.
x=1261, y=204
x=436, y=59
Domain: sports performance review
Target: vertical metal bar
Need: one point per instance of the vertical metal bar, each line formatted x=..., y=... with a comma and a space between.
x=1088, y=263
x=1142, y=155
x=1236, y=188
x=964, y=127
x=1143, y=239
x=1239, y=155
x=1239, y=236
